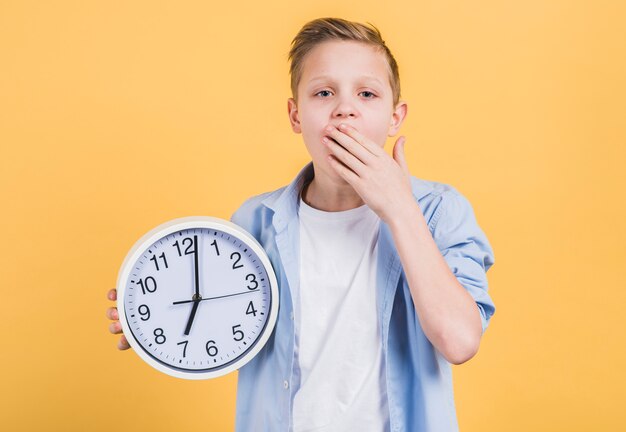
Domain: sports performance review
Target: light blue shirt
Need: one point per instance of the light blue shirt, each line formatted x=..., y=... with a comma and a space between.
x=419, y=378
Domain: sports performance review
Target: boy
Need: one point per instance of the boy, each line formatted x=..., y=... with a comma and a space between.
x=382, y=275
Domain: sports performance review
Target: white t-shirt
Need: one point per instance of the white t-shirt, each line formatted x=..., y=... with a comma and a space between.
x=339, y=343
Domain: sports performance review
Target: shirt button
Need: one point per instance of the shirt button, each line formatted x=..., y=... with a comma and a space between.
x=285, y=384
x=291, y=315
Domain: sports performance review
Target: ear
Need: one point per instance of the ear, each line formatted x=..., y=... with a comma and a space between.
x=292, y=110
x=397, y=118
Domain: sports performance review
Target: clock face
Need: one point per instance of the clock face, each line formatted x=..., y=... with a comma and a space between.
x=197, y=297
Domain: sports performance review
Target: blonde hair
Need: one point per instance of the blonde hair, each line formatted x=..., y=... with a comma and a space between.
x=330, y=29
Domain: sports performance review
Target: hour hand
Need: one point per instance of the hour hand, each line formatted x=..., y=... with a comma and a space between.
x=196, y=303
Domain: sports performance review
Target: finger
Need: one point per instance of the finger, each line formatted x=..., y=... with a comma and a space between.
x=115, y=327
x=361, y=139
x=355, y=147
x=398, y=154
x=347, y=158
x=122, y=344
x=346, y=173
x=112, y=294
x=112, y=313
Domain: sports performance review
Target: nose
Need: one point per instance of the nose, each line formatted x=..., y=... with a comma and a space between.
x=345, y=109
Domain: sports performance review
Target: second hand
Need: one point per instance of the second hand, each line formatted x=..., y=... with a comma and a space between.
x=213, y=298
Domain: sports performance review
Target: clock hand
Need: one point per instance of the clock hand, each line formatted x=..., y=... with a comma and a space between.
x=195, y=246
x=213, y=298
x=196, y=303
x=196, y=297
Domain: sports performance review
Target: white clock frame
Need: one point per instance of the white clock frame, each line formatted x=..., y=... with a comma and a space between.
x=184, y=223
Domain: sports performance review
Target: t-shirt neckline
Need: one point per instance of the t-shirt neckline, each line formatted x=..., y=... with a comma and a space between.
x=354, y=213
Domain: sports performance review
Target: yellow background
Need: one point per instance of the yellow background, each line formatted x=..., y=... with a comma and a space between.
x=116, y=116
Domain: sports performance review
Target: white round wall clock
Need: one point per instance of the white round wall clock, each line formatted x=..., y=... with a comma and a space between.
x=197, y=297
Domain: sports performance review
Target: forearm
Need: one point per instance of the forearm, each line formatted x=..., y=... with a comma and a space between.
x=447, y=312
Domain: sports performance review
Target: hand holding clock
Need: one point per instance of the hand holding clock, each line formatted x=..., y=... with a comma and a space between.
x=115, y=327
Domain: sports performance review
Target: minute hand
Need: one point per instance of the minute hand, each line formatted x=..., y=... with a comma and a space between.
x=196, y=297
x=195, y=258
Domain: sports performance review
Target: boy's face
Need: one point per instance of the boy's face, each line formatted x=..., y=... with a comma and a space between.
x=344, y=82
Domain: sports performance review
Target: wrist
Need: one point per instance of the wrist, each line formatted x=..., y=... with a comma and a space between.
x=407, y=215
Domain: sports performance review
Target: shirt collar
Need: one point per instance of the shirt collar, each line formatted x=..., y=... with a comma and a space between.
x=285, y=201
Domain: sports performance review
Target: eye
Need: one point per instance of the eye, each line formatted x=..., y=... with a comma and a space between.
x=368, y=94
x=322, y=91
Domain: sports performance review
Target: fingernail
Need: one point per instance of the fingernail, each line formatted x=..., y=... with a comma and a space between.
x=329, y=128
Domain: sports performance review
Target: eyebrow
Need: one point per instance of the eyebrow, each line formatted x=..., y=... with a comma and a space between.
x=329, y=78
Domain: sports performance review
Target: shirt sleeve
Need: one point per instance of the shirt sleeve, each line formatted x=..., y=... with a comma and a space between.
x=465, y=248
